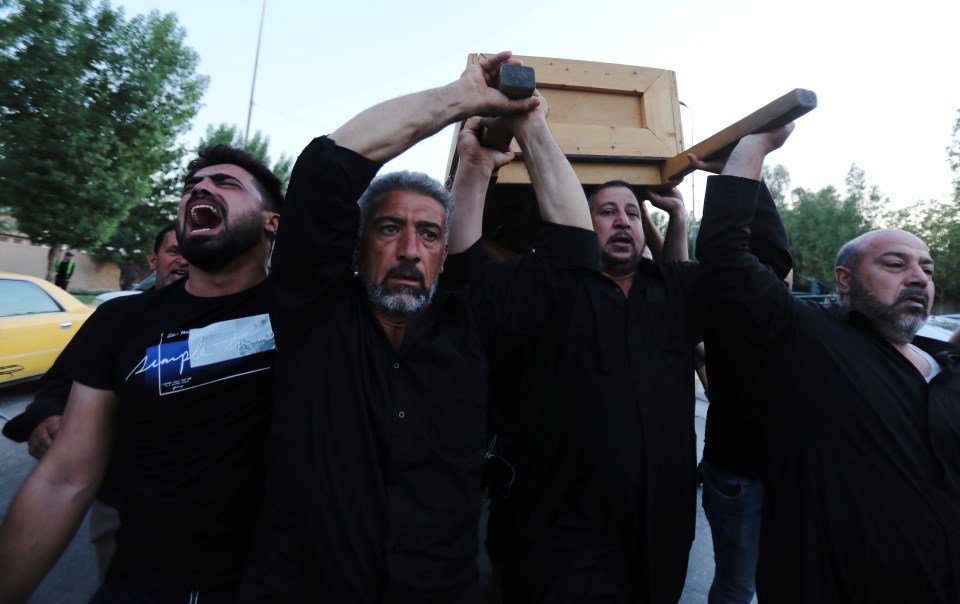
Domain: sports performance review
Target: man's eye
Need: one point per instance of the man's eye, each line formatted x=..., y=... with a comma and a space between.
x=430, y=236
x=388, y=229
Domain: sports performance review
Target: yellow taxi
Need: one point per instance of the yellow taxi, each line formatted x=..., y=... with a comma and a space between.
x=37, y=319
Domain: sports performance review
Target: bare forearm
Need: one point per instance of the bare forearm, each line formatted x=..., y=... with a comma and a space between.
x=559, y=193
x=651, y=234
x=674, y=246
x=469, y=191
x=386, y=130
x=39, y=525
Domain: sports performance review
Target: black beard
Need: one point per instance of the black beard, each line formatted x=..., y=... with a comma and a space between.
x=213, y=253
x=894, y=323
x=619, y=266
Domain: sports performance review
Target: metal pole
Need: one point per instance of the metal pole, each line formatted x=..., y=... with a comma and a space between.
x=253, y=84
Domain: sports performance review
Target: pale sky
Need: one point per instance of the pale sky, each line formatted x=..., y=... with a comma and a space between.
x=885, y=73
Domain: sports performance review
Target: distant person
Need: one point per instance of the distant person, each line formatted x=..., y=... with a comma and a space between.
x=63, y=270
x=862, y=423
x=128, y=274
x=168, y=410
x=40, y=421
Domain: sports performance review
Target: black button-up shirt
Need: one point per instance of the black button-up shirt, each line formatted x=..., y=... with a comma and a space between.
x=375, y=454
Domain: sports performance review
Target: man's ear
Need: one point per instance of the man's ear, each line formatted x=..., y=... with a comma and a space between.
x=843, y=275
x=271, y=222
x=152, y=261
x=446, y=249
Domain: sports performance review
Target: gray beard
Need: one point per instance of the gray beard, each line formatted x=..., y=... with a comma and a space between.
x=894, y=323
x=401, y=301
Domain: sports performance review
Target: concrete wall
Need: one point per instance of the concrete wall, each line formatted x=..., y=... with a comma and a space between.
x=18, y=255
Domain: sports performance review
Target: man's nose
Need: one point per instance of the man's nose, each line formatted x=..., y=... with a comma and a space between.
x=919, y=276
x=408, y=247
x=202, y=188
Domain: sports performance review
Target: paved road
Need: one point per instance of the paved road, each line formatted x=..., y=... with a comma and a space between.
x=73, y=579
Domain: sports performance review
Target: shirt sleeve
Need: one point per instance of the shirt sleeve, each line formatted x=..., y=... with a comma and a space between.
x=318, y=225
x=99, y=339
x=753, y=297
x=768, y=236
x=320, y=216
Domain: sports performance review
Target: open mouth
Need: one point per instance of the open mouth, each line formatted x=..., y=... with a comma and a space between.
x=204, y=216
x=621, y=239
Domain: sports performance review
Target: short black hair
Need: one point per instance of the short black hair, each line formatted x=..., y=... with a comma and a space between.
x=609, y=185
x=270, y=187
x=158, y=240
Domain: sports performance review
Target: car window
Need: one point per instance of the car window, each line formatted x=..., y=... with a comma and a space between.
x=19, y=298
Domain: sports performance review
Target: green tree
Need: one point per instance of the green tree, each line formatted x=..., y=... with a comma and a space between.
x=818, y=223
x=90, y=108
x=778, y=182
x=938, y=224
x=258, y=145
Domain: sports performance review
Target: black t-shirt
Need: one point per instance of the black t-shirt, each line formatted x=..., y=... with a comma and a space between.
x=192, y=378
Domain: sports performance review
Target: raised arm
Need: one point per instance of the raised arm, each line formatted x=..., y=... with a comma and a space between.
x=52, y=501
x=470, y=184
x=731, y=268
x=672, y=245
x=386, y=130
x=559, y=194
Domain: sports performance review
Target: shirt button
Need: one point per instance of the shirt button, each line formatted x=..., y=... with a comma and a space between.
x=396, y=365
x=402, y=414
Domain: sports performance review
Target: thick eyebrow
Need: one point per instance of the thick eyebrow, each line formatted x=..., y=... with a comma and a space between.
x=218, y=178
x=420, y=224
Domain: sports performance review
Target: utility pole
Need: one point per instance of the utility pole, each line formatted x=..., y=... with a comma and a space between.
x=256, y=61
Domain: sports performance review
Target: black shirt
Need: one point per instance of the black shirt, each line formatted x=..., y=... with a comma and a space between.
x=192, y=378
x=374, y=455
x=733, y=439
x=603, y=400
x=863, y=491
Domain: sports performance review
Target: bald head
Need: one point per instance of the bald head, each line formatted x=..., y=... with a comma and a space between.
x=850, y=254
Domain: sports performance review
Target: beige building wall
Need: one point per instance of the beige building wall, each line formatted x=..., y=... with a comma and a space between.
x=18, y=255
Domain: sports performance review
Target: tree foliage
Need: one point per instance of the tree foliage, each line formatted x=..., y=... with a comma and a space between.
x=938, y=224
x=818, y=223
x=258, y=145
x=90, y=108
